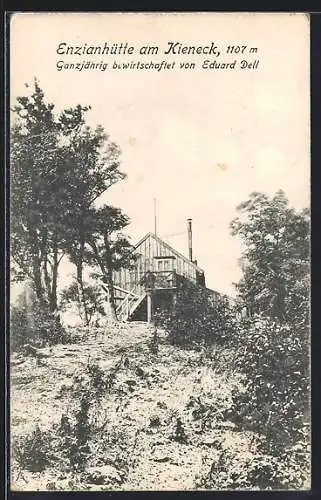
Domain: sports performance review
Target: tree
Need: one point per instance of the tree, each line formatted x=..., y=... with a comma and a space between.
x=108, y=248
x=91, y=295
x=275, y=259
x=39, y=192
x=93, y=168
x=59, y=168
x=272, y=344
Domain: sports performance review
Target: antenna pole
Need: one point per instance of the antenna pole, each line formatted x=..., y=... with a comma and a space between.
x=190, y=245
x=155, y=218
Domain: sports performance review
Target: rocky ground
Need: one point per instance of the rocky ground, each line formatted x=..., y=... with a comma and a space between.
x=162, y=424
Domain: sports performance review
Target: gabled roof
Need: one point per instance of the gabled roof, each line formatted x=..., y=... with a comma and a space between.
x=171, y=249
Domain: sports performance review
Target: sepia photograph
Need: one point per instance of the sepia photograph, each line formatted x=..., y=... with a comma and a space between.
x=159, y=251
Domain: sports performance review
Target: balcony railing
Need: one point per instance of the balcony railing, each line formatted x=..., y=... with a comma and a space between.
x=160, y=280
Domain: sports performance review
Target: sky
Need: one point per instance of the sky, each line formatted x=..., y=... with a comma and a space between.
x=198, y=140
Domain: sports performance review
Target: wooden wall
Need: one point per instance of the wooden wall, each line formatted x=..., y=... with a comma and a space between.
x=150, y=252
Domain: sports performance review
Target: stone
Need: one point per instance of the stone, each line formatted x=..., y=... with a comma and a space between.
x=104, y=474
x=226, y=425
x=154, y=421
x=210, y=441
x=160, y=457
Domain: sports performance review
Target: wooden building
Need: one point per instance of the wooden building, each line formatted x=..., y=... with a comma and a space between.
x=153, y=280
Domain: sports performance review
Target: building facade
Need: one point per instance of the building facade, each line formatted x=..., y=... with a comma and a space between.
x=154, y=277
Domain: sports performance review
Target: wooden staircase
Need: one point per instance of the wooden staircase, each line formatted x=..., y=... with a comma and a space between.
x=128, y=306
x=131, y=299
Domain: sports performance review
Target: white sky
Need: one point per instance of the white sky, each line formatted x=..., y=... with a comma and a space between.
x=177, y=128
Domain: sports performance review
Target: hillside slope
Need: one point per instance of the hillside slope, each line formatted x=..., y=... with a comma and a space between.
x=159, y=425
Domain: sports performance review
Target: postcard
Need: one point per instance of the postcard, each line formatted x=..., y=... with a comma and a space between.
x=159, y=251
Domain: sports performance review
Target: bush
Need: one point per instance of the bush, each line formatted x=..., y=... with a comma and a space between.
x=29, y=324
x=92, y=382
x=84, y=422
x=274, y=360
x=93, y=300
x=197, y=317
x=68, y=444
x=21, y=332
x=235, y=471
x=65, y=444
x=179, y=434
x=33, y=452
x=73, y=435
x=208, y=409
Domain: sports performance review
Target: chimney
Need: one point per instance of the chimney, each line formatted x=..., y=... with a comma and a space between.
x=189, y=232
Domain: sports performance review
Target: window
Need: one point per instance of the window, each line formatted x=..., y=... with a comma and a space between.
x=165, y=263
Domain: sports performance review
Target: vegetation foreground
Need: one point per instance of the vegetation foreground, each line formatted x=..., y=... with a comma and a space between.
x=116, y=410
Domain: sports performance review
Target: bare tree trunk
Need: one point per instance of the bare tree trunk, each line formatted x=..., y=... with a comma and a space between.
x=47, y=280
x=29, y=304
x=38, y=286
x=36, y=272
x=44, y=262
x=109, y=276
x=81, y=293
x=80, y=282
x=53, y=292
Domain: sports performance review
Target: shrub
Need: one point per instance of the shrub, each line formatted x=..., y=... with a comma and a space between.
x=275, y=362
x=179, y=434
x=234, y=471
x=48, y=327
x=92, y=382
x=197, y=318
x=208, y=409
x=33, y=452
x=30, y=324
x=92, y=298
x=21, y=332
x=73, y=435
x=83, y=422
x=67, y=444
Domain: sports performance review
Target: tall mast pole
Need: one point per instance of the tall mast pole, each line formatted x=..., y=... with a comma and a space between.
x=155, y=218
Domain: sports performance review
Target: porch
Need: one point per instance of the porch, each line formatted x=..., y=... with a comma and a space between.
x=139, y=300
